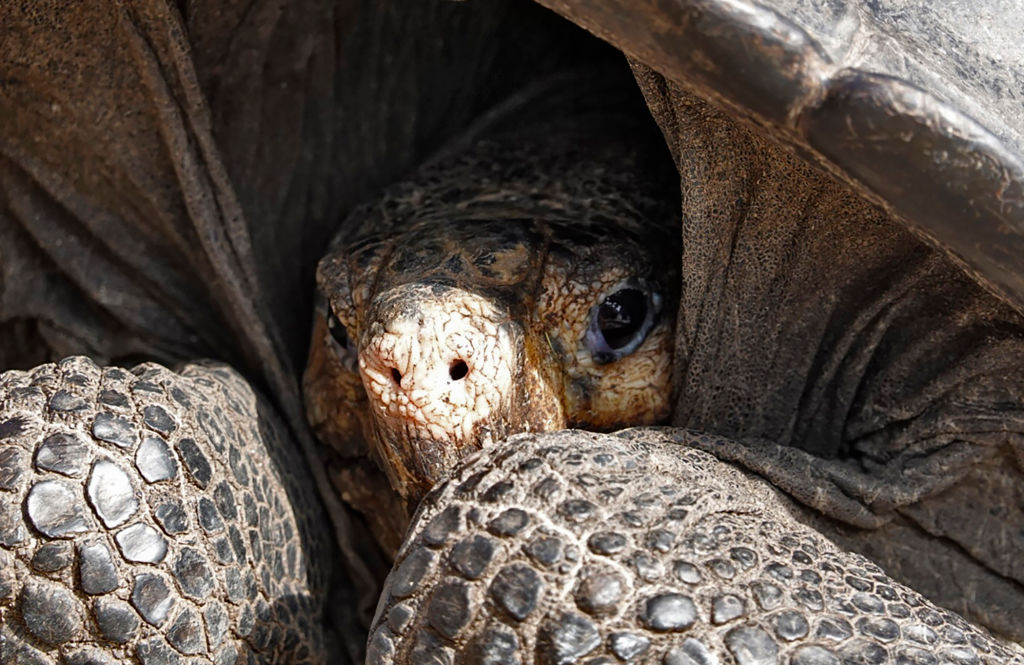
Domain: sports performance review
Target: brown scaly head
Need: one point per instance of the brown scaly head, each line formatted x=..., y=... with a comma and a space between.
x=524, y=284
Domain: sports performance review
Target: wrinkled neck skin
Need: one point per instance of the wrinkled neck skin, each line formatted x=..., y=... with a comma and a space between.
x=467, y=296
x=854, y=366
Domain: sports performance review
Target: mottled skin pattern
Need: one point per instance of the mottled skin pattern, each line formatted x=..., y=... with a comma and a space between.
x=575, y=547
x=434, y=620
x=158, y=516
x=494, y=258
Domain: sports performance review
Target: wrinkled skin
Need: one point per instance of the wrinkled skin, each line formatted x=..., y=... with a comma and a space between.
x=115, y=114
x=498, y=259
x=912, y=395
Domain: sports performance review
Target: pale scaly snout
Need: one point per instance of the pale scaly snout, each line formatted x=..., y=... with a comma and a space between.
x=438, y=367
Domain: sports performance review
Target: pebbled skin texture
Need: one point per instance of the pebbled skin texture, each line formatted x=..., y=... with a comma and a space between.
x=154, y=517
x=46, y=188
x=855, y=368
x=867, y=375
x=575, y=547
x=494, y=255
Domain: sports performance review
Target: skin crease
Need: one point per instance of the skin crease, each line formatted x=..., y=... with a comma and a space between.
x=465, y=296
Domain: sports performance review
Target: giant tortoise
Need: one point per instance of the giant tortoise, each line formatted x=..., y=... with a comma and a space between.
x=834, y=352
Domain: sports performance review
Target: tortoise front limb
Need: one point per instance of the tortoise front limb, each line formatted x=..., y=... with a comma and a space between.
x=154, y=517
x=574, y=547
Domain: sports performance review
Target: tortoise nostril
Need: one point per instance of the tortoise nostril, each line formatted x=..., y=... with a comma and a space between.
x=458, y=370
x=396, y=376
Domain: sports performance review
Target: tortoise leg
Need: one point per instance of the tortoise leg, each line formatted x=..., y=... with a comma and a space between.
x=577, y=547
x=156, y=517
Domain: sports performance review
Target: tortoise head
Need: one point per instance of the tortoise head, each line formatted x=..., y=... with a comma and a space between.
x=498, y=292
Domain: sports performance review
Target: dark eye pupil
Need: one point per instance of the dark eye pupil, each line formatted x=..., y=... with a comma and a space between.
x=620, y=316
x=337, y=330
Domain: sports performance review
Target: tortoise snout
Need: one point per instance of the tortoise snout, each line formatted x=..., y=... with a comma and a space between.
x=438, y=367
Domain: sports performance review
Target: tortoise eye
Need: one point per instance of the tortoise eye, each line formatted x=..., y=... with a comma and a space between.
x=621, y=321
x=337, y=329
x=620, y=316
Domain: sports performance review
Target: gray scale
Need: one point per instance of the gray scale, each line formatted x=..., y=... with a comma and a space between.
x=727, y=607
x=834, y=629
x=441, y=527
x=628, y=646
x=728, y=593
x=809, y=598
x=813, y=655
x=156, y=417
x=155, y=461
x=50, y=612
x=63, y=453
x=687, y=572
x=217, y=623
x=116, y=620
x=868, y=603
x=97, y=573
x=661, y=540
x=208, y=517
x=153, y=598
x=234, y=585
x=186, y=633
x=399, y=617
x=863, y=651
x=751, y=646
x=222, y=551
x=509, y=523
x=114, y=429
x=470, y=556
x=171, y=517
x=668, y=612
x=14, y=650
x=155, y=651
x=881, y=629
x=193, y=573
x=245, y=621
x=89, y=656
x=64, y=401
x=568, y=637
x=238, y=468
x=12, y=466
x=225, y=500
x=411, y=572
x=600, y=591
x=921, y=634
x=690, y=652
x=722, y=569
x=141, y=543
x=56, y=509
x=52, y=557
x=606, y=543
x=496, y=646
x=546, y=550
x=791, y=625
x=113, y=399
x=648, y=567
x=449, y=609
x=110, y=493
x=744, y=557
x=576, y=511
x=516, y=589
x=195, y=461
